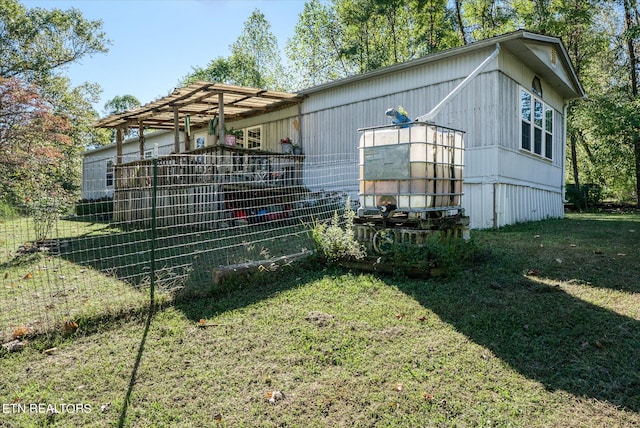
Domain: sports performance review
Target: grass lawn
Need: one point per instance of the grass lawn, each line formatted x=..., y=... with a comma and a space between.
x=543, y=330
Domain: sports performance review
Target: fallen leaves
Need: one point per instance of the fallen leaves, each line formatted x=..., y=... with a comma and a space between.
x=70, y=326
x=20, y=331
x=273, y=396
x=203, y=323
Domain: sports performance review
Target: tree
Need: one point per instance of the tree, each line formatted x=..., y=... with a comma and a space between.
x=314, y=49
x=33, y=141
x=631, y=36
x=255, y=60
x=120, y=104
x=44, y=122
x=488, y=18
x=357, y=36
x=255, y=57
x=218, y=70
x=35, y=43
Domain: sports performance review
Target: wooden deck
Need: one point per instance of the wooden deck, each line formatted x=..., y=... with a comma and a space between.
x=207, y=186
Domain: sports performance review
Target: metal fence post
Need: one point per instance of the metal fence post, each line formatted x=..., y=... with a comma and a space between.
x=154, y=192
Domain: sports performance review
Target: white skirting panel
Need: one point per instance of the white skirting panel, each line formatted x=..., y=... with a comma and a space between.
x=499, y=204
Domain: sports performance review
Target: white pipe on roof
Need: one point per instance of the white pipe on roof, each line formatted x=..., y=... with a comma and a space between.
x=430, y=116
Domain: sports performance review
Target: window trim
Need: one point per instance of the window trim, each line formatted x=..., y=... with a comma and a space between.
x=244, y=140
x=110, y=173
x=540, y=139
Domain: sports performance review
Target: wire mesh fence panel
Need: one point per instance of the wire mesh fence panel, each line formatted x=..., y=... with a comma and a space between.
x=189, y=213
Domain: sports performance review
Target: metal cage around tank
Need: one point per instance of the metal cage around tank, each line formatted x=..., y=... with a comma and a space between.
x=416, y=168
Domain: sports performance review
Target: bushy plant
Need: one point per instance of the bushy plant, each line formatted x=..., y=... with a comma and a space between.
x=7, y=211
x=94, y=207
x=584, y=196
x=44, y=211
x=335, y=241
x=447, y=254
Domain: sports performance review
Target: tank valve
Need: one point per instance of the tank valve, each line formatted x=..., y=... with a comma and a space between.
x=387, y=210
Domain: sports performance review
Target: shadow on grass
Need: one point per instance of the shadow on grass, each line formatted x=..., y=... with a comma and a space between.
x=542, y=332
x=184, y=257
x=244, y=291
x=597, y=249
x=136, y=366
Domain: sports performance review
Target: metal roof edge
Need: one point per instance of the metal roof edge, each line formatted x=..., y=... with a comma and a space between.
x=437, y=56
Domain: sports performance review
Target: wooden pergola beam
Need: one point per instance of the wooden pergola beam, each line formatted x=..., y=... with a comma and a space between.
x=201, y=99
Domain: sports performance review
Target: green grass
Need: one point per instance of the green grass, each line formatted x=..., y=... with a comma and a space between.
x=96, y=270
x=543, y=332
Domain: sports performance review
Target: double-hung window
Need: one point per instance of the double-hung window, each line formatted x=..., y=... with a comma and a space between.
x=536, y=125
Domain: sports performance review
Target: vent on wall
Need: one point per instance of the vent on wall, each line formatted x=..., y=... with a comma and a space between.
x=554, y=56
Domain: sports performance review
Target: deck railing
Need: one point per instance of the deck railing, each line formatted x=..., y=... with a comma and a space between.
x=204, y=185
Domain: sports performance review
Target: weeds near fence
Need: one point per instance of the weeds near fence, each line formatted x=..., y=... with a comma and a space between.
x=335, y=240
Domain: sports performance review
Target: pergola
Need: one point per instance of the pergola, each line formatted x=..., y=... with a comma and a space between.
x=193, y=106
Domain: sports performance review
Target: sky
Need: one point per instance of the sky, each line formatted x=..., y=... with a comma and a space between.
x=155, y=43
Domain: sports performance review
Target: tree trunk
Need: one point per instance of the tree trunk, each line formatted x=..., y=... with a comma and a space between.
x=460, y=22
x=630, y=15
x=574, y=164
x=636, y=151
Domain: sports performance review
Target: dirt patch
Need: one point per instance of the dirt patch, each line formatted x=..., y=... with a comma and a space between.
x=320, y=318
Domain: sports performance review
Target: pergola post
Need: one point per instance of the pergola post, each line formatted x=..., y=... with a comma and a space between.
x=221, y=118
x=118, y=168
x=176, y=130
x=187, y=133
x=141, y=138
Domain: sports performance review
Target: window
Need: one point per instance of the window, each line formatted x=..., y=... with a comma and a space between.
x=109, y=176
x=250, y=138
x=253, y=137
x=536, y=86
x=525, y=108
x=536, y=119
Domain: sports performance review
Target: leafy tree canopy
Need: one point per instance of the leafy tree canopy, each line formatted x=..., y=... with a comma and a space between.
x=34, y=43
x=45, y=123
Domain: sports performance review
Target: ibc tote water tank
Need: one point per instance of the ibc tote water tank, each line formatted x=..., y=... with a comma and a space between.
x=417, y=167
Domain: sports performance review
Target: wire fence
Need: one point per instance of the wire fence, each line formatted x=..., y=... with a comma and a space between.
x=165, y=225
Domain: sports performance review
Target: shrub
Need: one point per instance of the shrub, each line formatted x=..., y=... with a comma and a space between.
x=44, y=211
x=446, y=254
x=334, y=241
x=95, y=207
x=7, y=212
x=584, y=196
